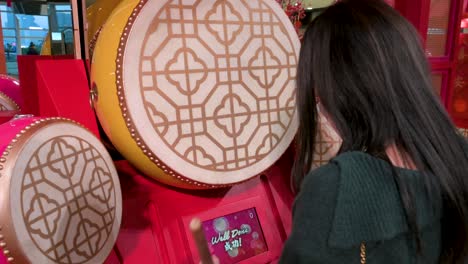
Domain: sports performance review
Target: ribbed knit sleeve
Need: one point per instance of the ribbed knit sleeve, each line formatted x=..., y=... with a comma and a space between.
x=312, y=217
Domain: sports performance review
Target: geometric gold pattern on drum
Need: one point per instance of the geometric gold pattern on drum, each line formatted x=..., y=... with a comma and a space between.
x=327, y=143
x=217, y=81
x=67, y=179
x=463, y=132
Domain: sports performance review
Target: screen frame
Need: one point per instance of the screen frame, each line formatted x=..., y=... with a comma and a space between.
x=265, y=218
x=54, y=33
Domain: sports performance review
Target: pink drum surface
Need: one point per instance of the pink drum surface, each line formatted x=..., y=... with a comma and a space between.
x=6, y=116
x=10, y=129
x=11, y=87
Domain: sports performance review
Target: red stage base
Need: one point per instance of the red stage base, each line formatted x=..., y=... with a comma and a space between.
x=256, y=214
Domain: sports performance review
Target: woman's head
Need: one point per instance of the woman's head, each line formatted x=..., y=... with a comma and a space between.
x=359, y=58
x=365, y=63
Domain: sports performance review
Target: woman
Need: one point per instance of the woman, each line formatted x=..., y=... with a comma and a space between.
x=397, y=190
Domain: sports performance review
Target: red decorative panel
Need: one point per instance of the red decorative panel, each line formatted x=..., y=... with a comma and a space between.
x=460, y=92
x=437, y=82
x=437, y=32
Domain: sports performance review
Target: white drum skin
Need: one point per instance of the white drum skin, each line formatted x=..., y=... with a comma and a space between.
x=198, y=94
x=60, y=198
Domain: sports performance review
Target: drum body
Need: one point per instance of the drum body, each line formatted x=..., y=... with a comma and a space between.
x=96, y=15
x=46, y=49
x=6, y=116
x=60, y=199
x=198, y=94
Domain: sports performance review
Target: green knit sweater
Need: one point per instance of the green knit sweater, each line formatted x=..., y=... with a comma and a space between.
x=354, y=199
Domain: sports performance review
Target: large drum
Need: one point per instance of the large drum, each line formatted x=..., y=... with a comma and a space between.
x=60, y=199
x=198, y=94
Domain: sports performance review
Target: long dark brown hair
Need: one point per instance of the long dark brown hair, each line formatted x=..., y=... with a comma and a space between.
x=366, y=64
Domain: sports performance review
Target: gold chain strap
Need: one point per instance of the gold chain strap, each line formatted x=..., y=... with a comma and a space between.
x=363, y=253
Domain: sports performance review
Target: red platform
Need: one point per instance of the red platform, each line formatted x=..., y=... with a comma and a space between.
x=27, y=77
x=56, y=86
x=155, y=216
x=65, y=94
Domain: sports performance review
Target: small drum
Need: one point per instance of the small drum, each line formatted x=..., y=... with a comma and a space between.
x=10, y=87
x=60, y=199
x=198, y=94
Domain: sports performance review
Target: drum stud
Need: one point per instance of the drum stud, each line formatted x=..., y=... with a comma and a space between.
x=6, y=251
x=10, y=259
x=93, y=95
x=2, y=244
x=1, y=237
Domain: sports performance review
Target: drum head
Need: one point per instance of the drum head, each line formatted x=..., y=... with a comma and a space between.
x=60, y=198
x=207, y=88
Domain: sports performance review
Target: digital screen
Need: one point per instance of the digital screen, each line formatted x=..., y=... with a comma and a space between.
x=235, y=237
x=56, y=36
